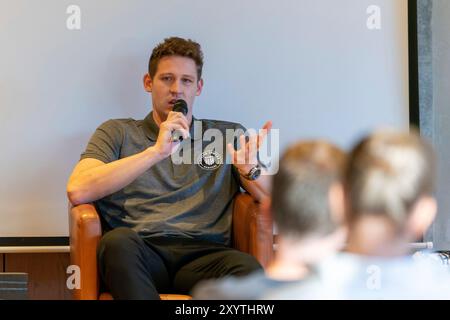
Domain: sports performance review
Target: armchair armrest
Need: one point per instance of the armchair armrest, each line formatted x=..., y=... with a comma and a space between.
x=252, y=229
x=85, y=233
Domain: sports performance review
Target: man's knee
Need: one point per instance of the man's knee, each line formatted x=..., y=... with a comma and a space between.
x=243, y=264
x=119, y=242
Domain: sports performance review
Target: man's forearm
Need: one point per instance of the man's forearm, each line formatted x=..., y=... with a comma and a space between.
x=98, y=182
x=260, y=188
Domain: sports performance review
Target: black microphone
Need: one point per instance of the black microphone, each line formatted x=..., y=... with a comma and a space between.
x=179, y=106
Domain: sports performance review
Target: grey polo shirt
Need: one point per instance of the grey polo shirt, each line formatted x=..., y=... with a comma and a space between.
x=191, y=200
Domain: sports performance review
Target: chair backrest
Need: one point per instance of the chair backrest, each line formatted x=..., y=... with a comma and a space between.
x=252, y=229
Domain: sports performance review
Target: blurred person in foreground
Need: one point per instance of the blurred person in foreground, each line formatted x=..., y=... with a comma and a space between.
x=389, y=184
x=307, y=207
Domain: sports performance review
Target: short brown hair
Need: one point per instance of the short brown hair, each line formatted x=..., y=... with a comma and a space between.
x=387, y=173
x=175, y=46
x=300, y=204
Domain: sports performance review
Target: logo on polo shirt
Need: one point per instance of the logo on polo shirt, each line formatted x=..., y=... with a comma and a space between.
x=210, y=160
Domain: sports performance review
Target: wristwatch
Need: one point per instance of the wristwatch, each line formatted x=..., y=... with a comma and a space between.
x=254, y=173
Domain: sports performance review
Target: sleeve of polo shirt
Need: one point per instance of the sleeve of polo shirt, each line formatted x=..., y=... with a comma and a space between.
x=105, y=143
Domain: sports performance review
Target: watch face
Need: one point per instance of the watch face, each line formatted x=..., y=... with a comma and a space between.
x=254, y=173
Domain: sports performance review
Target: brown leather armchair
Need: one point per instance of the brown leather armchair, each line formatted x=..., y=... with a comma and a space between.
x=252, y=233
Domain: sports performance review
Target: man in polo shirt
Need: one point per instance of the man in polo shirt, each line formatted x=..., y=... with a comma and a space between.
x=168, y=221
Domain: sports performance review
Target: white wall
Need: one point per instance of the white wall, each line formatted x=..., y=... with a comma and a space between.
x=311, y=66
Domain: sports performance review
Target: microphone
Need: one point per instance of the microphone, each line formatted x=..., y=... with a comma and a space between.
x=179, y=106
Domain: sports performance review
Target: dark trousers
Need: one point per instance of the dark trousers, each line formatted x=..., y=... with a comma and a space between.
x=132, y=267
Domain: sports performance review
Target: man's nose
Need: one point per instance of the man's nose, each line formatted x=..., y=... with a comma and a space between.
x=176, y=87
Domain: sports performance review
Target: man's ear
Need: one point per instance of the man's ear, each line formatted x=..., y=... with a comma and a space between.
x=336, y=202
x=148, y=83
x=199, y=87
x=423, y=214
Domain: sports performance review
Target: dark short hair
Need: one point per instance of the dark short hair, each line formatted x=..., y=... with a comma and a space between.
x=175, y=46
x=300, y=196
x=387, y=173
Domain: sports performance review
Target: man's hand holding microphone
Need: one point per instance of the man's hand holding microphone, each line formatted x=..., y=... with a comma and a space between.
x=173, y=130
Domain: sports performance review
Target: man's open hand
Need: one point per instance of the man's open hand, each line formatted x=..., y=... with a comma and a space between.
x=247, y=156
